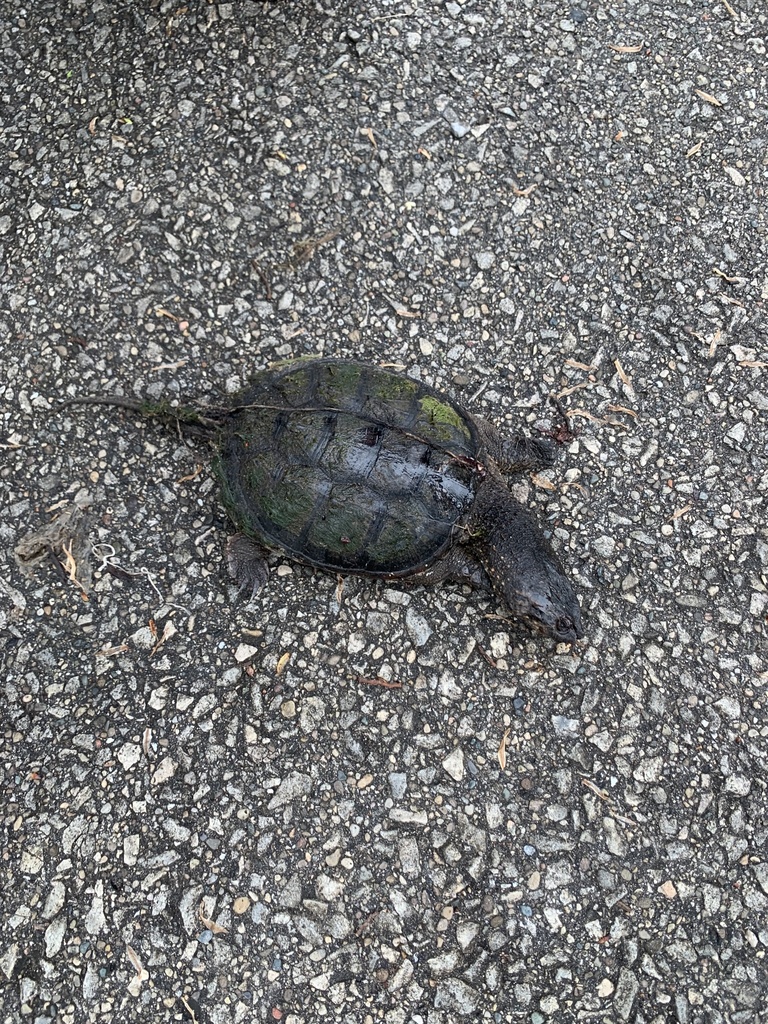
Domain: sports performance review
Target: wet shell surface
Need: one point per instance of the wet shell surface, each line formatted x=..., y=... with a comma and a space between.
x=347, y=466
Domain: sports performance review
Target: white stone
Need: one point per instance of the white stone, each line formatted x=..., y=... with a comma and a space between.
x=244, y=652
x=454, y=764
x=128, y=755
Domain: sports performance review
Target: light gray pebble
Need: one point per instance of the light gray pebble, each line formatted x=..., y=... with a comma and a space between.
x=466, y=933
x=410, y=860
x=604, y=546
x=456, y=996
x=485, y=259
x=55, y=901
x=761, y=874
x=387, y=180
x=418, y=627
x=53, y=936
x=398, y=784
x=444, y=964
x=460, y=129
x=682, y=1008
x=566, y=726
x=290, y=893
x=627, y=988
x=454, y=764
x=738, y=784
x=649, y=769
x=558, y=874
x=294, y=785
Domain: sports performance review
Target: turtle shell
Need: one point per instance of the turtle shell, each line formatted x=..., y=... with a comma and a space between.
x=348, y=466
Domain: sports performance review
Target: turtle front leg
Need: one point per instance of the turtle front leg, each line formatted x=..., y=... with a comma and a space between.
x=247, y=562
x=457, y=566
x=517, y=453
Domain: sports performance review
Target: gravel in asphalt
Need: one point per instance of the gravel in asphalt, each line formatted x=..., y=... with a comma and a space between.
x=365, y=803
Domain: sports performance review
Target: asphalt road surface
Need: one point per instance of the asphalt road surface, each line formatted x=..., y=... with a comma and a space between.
x=356, y=802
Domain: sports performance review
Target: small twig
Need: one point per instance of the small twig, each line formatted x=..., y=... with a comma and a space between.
x=378, y=681
x=565, y=432
x=56, y=562
x=487, y=657
x=264, y=280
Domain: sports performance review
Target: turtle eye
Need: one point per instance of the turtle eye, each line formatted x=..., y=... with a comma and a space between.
x=564, y=624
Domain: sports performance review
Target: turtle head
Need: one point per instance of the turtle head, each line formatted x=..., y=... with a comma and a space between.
x=527, y=572
x=546, y=600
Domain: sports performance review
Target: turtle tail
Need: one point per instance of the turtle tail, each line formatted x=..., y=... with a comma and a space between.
x=203, y=422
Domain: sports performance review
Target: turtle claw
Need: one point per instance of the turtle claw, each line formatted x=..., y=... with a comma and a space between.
x=247, y=562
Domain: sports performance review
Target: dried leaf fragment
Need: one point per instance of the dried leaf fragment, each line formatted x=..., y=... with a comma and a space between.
x=70, y=567
x=681, y=512
x=574, y=387
x=484, y=654
x=622, y=374
x=212, y=926
x=541, y=481
x=708, y=97
x=192, y=476
x=282, y=662
x=368, y=133
x=595, y=789
x=622, y=408
x=725, y=277
x=304, y=249
x=110, y=652
x=168, y=631
x=580, y=366
x=170, y=366
x=136, y=963
x=502, y=752
x=65, y=536
x=190, y=1012
x=587, y=415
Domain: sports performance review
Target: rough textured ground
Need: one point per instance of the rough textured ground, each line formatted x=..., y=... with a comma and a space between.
x=211, y=814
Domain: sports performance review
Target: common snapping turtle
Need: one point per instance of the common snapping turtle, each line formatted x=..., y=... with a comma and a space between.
x=356, y=469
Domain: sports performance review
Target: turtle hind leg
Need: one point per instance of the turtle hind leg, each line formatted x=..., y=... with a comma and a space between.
x=247, y=562
x=517, y=453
